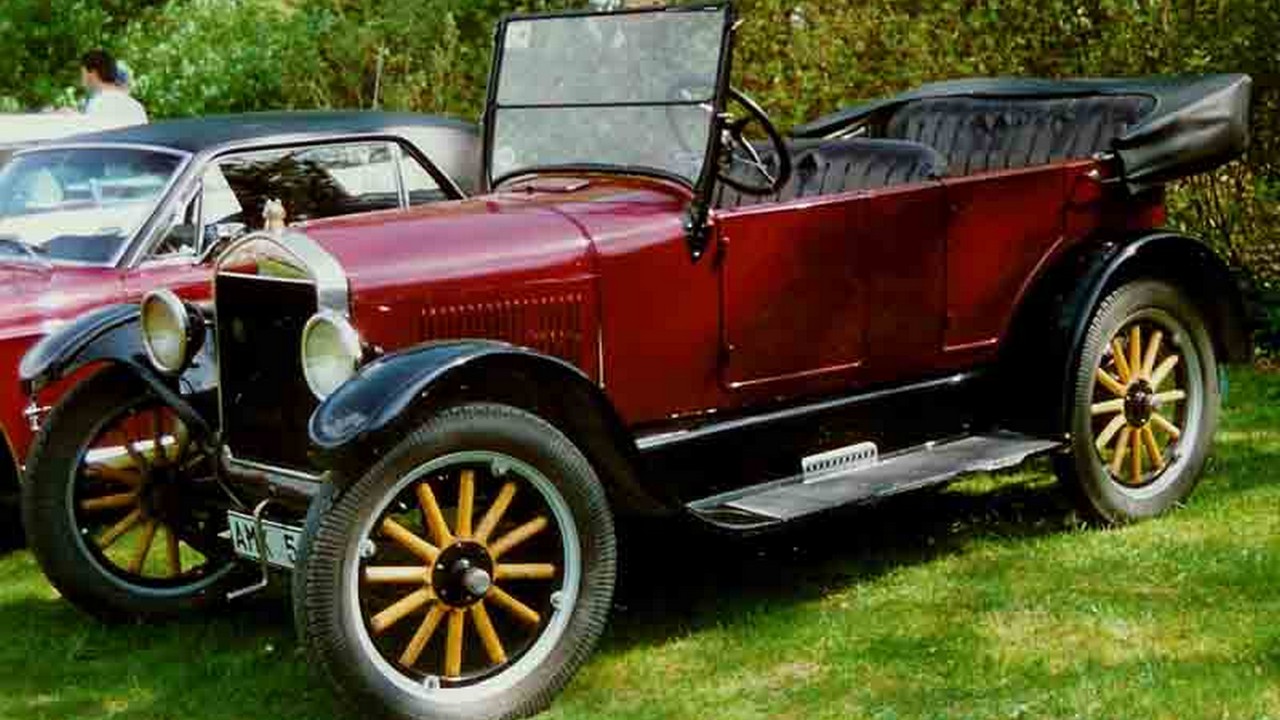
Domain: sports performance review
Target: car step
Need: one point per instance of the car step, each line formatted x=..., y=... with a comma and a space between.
x=930, y=464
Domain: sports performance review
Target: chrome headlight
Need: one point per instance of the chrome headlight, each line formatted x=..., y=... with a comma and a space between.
x=166, y=331
x=331, y=352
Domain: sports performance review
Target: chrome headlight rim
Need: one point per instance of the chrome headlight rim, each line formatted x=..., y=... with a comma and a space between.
x=181, y=318
x=349, y=342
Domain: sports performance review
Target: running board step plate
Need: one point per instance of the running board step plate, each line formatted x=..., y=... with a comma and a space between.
x=930, y=464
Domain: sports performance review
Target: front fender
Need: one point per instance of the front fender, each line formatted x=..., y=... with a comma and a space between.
x=385, y=389
x=111, y=333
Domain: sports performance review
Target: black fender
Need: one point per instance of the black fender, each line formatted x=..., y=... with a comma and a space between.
x=373, y=411
x=112, y=335
x=1047, y=335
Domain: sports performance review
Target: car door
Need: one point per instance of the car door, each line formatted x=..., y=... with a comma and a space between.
x=823, y=292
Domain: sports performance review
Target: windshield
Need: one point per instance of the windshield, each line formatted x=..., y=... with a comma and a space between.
x=633, y=90
x=82, y=205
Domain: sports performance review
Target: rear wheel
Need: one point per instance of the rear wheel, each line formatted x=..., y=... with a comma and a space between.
x=1145, y=404
x=467, y=575
x=121, y=506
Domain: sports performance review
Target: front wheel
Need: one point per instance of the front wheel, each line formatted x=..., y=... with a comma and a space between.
x=1145, y=404
x=467, y=575
x=121, y=505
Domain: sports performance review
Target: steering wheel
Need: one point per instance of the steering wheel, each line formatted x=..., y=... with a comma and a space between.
x=760, y=167
x=767, y=173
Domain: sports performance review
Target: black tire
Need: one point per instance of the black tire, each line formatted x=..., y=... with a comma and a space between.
x=1131, y=494
x=72, y=560
x=330, y=586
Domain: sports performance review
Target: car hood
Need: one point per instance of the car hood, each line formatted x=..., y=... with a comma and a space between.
x=547, y=225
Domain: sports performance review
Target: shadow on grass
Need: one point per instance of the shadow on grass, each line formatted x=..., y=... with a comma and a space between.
x=674, y=581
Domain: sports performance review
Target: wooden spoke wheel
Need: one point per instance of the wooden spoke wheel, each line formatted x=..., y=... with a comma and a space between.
x=132, y=498
x=1139, y=401
x=467, y=574
x=1144, y=404
x=464, y=569
x=122, y=507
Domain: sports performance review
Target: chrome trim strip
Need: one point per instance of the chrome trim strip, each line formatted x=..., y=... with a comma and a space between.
x=660, y=440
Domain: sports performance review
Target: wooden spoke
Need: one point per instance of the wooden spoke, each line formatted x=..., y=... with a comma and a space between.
x=113, y=533
x=411, y=575
x=1135, y=352
x=1163, y=423
x=517, y=536
x=1122, y=449
x=1153, y=351
x=173, y=553
x=1109, y=432
x=419, y=641
x=495, y=513
x=466, y=503
x=529, y=571
x=488, y=636
x=1135, y=458
x=124, y=476
x=518, y=610
x=432, y=516
x=144, y=547
x=400, y=609
x=1122, y=365
x=1107, y=407
x=110, y=502
x=1170, y=396
x=409, y=541
x=453, y=643
x=1115, y=386
x=1163, y=371
x=1153, y=448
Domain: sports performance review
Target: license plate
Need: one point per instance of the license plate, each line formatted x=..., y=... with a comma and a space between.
x=281, y=540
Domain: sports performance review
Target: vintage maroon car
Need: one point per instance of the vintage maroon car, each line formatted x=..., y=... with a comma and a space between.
x=435, y=416
x=104, y=218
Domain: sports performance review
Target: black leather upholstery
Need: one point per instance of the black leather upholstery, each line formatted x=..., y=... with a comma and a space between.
x=980, y=134
x=829, y=167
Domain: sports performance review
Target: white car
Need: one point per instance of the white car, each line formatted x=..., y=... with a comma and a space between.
x=18, y=130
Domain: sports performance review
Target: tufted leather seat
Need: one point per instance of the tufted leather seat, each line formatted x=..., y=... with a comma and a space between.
x=828, y=167
x=980, y=134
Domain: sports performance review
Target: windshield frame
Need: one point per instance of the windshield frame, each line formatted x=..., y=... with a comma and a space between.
x=701, y=186
x=163, y=199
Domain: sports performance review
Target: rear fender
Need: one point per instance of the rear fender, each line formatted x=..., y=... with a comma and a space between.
x=390, y=396
x=1047, y=336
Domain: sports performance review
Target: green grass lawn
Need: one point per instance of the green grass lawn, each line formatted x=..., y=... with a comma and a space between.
x=987, y=600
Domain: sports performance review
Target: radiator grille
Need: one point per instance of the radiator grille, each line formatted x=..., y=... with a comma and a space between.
x=265, y=400
x=551, y=324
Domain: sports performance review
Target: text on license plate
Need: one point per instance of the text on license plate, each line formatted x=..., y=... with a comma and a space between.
x=281, y=540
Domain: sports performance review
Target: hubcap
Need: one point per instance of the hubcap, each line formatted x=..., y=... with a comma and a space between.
x=1137, y=409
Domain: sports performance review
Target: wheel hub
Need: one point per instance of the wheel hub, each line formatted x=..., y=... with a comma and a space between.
x=463, y=574
x=1139, y=403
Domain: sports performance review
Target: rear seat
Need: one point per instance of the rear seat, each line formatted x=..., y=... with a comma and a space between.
x=980, y=134
x=828, y=167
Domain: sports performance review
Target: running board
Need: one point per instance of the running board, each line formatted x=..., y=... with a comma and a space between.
x=930, y=464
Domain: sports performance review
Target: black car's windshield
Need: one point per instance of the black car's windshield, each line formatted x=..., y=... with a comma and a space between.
x=82, y=204
x=632, y=90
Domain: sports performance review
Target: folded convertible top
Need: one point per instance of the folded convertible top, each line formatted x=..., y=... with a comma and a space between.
x=1194, y=123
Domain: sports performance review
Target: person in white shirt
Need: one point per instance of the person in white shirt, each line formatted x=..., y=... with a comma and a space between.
x=110, y=105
